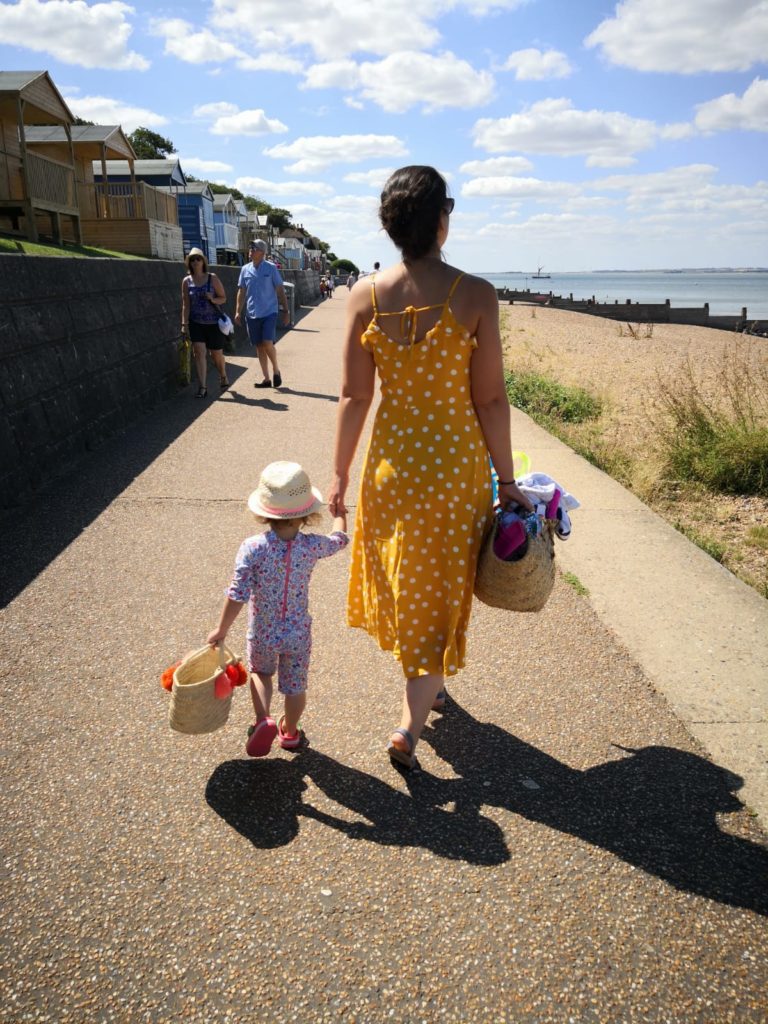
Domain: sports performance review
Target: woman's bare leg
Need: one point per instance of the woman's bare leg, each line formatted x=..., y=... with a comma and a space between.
x=201, y=362
x=420, y=693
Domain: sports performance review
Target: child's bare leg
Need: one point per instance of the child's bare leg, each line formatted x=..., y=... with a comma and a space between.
x=261, y=694
x=419, y=696
x=294, y=705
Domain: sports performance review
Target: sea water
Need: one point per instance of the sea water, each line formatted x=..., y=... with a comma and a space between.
x=727, y=292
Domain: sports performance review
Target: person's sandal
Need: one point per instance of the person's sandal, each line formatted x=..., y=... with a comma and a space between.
x=201, y=392
x=261, y=736
x=441, y=698
x=403, y=757
x=266, y=383
x=296, y=742
x=223, y=384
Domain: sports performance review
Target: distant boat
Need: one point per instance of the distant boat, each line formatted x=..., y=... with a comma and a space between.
x=538, y=276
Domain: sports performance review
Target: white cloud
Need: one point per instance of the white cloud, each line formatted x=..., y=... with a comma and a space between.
x=747, y=113
x=196, y=165
x=535, y=65
x=406, y=79
x=229, y=120
x=520, y=188
x=373, y=179
x=333, y=74
x=206, y=47
x=497, y=165
x=104, y=110
x=314, y=153
x=213, y=110
x=282, y=189
x=608, y=138
x=332, y=29
x=685, y=36
x=93, y=36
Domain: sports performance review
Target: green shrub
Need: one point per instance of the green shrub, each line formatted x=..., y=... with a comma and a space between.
x=545, y=399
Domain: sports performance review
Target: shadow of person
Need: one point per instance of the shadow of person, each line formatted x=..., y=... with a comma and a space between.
x=655, y=808
x=262, y=800
x=393, y=818
x=259, y=799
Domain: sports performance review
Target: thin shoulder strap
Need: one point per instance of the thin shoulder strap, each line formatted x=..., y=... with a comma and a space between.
x=373, y=298
x=453, y=288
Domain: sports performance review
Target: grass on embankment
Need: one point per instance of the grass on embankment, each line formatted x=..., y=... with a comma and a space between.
x=704, y=445
x=21, y=247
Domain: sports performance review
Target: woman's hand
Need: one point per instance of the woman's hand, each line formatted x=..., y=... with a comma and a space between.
x=510, y=494
x=336, y=495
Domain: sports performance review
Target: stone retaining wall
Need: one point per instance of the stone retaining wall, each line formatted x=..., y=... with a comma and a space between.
x=86, y=346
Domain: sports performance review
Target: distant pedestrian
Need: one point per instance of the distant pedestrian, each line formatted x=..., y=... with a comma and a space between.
x=376, y=267
x=351, y=280
x=331, y=283
x=260, y=287
x=202, y=293
x=272, y=572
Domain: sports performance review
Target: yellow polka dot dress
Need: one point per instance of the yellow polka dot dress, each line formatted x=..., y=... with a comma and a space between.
x=425, y=498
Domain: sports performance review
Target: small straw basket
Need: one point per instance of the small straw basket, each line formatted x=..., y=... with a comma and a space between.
x=195, y=708
x=522, y=586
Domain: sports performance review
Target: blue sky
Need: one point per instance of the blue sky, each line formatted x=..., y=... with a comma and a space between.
x=574, y=134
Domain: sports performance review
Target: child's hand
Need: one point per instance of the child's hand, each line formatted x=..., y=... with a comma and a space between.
x=216, y=637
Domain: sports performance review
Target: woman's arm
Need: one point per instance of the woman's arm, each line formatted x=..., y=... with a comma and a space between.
x=489, y=394
x=184, y=304
x=358, y=376
x=219, y=296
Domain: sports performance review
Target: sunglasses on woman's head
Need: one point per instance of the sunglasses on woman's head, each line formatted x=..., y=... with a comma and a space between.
x=448, y=205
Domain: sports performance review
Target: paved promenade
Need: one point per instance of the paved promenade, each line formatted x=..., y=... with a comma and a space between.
x=575, y=848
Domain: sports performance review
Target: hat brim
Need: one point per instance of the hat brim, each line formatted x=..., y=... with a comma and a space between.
x=270, y=513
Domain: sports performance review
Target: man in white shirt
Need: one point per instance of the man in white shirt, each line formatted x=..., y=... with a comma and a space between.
x=261, y=288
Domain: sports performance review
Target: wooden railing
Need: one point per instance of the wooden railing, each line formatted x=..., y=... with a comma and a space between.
x=226, y=236
x=49, y=181
x=117, y=200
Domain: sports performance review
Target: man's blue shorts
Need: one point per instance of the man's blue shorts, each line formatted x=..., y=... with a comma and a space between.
x=261, y=328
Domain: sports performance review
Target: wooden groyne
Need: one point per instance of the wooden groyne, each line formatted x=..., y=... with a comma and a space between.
x=640, y=312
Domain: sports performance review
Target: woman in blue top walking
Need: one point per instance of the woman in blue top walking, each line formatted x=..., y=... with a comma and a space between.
x=202, y=294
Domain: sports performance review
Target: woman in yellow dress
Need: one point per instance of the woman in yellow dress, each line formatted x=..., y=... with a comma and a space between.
x=432, y=335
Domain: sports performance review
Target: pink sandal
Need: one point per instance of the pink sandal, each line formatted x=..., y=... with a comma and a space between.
x=299, y=740
x=261, y=736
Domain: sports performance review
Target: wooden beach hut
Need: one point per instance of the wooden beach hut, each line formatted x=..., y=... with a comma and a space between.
x=142, y=196
x=38, y=194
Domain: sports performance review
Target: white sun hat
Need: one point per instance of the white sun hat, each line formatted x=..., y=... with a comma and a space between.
x=284, y=492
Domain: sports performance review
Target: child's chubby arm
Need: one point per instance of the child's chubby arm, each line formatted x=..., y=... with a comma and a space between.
x=229, y=613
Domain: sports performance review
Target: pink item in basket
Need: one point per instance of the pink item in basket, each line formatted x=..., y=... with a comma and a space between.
x=554, y=504
x=509, y=538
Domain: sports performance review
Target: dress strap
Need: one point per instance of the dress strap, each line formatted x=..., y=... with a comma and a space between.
x=453, y=289
x=373, y=299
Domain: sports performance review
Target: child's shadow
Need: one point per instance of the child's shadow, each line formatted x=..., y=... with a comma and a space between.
x=655, y=809
x=262, y=800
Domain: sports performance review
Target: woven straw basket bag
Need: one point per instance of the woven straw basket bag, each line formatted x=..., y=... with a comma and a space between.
x=522, y=586
x=195, y=708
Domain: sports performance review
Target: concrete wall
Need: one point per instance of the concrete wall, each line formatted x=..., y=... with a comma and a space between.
x=86, y=346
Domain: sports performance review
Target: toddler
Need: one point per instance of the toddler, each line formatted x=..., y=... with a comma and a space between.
x=272, y=571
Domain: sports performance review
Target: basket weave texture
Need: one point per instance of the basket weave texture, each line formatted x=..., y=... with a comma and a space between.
x=195, y=708
x=522, y=586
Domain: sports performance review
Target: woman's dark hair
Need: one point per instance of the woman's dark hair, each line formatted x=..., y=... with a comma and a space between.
x=411, y=204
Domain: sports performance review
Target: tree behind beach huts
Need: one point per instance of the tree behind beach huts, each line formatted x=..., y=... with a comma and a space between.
x=148, y=145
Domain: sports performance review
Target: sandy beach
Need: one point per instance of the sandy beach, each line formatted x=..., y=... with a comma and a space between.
x=624, y=372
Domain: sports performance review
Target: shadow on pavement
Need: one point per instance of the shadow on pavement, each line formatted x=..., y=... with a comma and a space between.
x=655, y=808
x=263, y=802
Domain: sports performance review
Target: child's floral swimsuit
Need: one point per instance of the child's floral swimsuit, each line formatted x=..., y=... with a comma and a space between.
x=273, y=575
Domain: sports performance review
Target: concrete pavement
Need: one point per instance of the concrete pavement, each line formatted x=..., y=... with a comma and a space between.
x=569, y=852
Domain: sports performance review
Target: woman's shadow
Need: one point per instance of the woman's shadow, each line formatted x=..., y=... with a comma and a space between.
x=655, y=808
